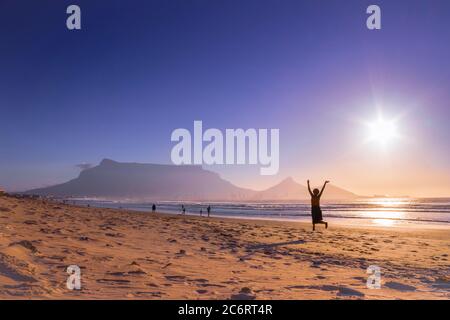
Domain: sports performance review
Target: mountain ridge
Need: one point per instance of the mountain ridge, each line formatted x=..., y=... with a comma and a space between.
x=141, y=181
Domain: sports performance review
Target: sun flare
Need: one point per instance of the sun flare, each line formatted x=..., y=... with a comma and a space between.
x=383, y=131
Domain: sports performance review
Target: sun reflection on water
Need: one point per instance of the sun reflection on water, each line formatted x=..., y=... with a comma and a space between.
x=390, y=202
x=384, y=222
x=387, y=211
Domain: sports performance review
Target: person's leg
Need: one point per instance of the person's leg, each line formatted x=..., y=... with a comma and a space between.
x=314, y=226
x=325, y=223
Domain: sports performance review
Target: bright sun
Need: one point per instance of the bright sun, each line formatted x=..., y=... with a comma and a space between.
x=382, y=131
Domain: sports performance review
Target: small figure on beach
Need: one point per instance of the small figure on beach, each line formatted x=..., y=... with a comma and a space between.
x=201, y=212
x=183, y=209
x=153, y=208
x=208, y=210
x=316, y=211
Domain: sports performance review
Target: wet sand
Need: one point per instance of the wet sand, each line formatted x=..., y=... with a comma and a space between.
x=130, y=255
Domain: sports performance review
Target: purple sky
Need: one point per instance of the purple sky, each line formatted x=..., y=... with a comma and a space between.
x=139, y=69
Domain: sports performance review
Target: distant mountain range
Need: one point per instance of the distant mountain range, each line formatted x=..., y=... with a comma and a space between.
x=288, y=189
x=139, y=182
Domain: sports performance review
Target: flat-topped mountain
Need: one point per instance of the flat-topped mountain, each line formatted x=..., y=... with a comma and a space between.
x=137, y=181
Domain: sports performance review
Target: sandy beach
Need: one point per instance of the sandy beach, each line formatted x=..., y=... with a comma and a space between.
x=131, y=255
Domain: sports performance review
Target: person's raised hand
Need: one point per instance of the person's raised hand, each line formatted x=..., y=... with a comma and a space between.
x=327, y=181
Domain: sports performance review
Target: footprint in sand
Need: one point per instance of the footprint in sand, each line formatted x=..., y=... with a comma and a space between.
x=113, y=281
x=176, y=278
x=201, y=280
x=26, y=244
x=201, y=291
x=116, y=274
x=156, y=294
x=231, y=282
x=347, y=292
x=399, y=286
x=362, y=279
x=154, y=285
x=244, y=294
x=211, y=285
x=341, y=291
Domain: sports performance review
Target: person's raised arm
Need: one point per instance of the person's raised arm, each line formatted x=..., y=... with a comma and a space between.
x=323, y=188
x=309, y=189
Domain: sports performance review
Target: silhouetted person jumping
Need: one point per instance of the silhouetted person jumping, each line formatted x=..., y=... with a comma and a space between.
x=209, y=210
x=316, y=211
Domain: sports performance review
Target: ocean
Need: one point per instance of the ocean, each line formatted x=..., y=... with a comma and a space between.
x=394, y=212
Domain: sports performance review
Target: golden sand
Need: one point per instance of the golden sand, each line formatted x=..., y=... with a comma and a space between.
x=131, y=255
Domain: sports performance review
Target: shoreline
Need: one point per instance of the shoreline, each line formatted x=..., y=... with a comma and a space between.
x=342, y=222
x=337, y=222
x=352, y=222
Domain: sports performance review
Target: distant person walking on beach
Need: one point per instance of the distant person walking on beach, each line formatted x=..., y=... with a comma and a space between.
x=153, y=207
x=316, y=211
x=208, y=210
x=183, y=209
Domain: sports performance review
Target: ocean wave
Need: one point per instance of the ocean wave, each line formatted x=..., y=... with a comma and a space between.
x=406, y=210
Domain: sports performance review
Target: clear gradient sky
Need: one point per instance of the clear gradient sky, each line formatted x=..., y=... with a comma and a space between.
x=140, y=69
